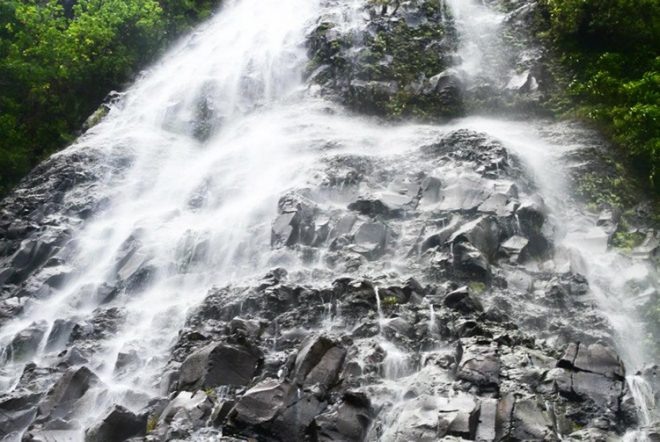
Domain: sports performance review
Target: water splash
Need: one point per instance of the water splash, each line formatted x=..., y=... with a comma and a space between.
x=202, y=165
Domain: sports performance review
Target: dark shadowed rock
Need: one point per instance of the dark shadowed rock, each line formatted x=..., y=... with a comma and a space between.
x=318, y=362
x=483, y=233
x=516, y=248
x=592, y=372
x=62, y=397
x=59, y=333
x=295, y=223
x=480, y=365
x=529, y=422
x=371, y=97
x=17, y=412
x=27, y=341
x=469, y=262
x=219, y=364
x=463, y=301
x=387, y=205
x=349, y=421
x=531, y=215
x=117, y=426
x=446, y=88
x=261, y=403
x=30, y=255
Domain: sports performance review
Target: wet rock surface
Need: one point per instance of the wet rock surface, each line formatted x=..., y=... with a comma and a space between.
x=377, y=67
x=412, y=296
x=484, y=343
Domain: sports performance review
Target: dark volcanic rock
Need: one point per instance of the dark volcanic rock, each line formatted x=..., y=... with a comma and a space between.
x=219, y=364
x=348, y=421
x=480, y=365
x=463, y=301
x=63, y=396
x=591, y=372
x=261, y=403
x=318, y=362
x=26, y=342
x=117, y=426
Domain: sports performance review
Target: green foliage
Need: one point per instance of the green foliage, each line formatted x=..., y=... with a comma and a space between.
x=57, y=64
x=613, y=47
x=627, y=241
x=477, y=287
x=152, y=423
x=390, y=300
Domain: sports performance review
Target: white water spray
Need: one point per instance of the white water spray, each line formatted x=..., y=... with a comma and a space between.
x=211, y=138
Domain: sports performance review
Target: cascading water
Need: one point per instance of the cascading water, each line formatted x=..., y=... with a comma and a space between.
x=193, y=162
x=180, y=202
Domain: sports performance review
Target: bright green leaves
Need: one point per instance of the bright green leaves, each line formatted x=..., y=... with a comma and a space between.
x=56, y=66
x=613, y=48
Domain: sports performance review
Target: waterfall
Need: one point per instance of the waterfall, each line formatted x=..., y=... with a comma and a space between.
x=221, y=164
x=210, y=138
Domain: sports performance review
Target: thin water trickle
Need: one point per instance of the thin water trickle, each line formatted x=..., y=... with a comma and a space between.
x=432, y=326
x=379, y=310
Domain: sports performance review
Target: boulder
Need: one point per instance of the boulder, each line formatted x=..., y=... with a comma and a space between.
x=349, y=421
x=486, y=427
x=344, y=226
x=59, y=333
x=133, y=268
x=26, y=342
x=483, y=233
x=295, y=223
x=371, y=97
x=419, y=420
x=469, y=262
x=29, y=257
x=219, y=364
x=465, y=193
x=117, y=425
x=196, y=406
x=594, y=372
x=63, y=396
x=261, y=403
x=531, y=215
x=385, y=204
x=480, y=365
x=597, y=358
x=245, y=328
x=446, y=89
x=293, y=422
x=16, y=413
x=516, y=248
x=287, y=230
x=529, y=422
x=370, y=239
x=460, y=416
x=499, y=204
x=318, y=362
x=462, y=300
x=431, y=188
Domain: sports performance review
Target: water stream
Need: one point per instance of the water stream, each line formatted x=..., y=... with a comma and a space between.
x=204, y=146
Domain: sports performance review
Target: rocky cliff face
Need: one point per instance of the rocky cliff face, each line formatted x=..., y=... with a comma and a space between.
x=405, y=60
x=427, y=299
